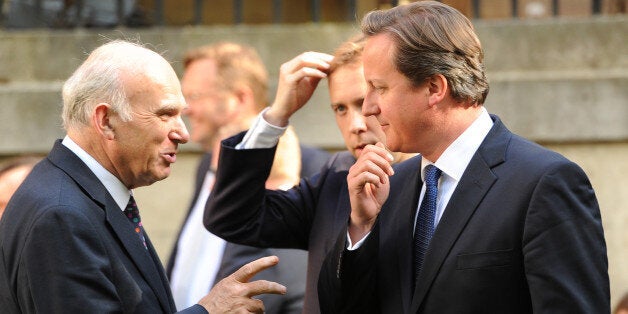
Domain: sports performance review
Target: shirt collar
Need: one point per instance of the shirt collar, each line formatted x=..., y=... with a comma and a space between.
x=120, y=193
x=457, y=156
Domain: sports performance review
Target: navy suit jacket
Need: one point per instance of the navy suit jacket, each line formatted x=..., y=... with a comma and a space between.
x=307, y=217
x=521, y=233
x=290, y=271
x=67, y=247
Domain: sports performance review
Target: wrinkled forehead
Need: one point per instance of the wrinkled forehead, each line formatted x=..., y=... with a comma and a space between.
x=158, y=83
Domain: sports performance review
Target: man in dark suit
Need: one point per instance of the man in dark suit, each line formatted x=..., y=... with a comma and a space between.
x=71, y=238
x=226, y=85
x=501, y=224
x=309, y=216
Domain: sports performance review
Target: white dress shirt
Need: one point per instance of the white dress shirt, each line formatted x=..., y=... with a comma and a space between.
x=454, y=161
x=120, y=193
x=261, y=134
x=199, y=254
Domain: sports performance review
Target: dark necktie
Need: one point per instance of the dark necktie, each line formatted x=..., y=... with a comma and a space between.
x=133, y=213
x=424, y=228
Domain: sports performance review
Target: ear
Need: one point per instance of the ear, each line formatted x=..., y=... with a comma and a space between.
x=244, y=96
x=102, y=121
x=438, y=88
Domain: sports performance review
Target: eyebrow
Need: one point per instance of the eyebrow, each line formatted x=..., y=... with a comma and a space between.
x=167, y=105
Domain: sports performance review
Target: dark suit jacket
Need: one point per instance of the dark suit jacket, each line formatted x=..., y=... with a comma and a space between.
x=68, y=248
x=307, y=217
x=521, y=233
x=292, y=262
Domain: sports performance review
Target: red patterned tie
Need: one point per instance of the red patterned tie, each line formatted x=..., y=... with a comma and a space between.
x=133, y=213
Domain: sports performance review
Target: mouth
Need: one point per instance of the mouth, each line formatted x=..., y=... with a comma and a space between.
x=170, y=157
x=362, y=145
x=358, y=148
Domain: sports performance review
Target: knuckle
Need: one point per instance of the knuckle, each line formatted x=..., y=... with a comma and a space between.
x=239, y=290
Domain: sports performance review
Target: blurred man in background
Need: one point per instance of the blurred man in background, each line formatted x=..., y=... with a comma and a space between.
x=226, y=86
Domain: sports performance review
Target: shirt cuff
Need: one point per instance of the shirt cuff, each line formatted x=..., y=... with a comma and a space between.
x=351, y=246
x=261, y=134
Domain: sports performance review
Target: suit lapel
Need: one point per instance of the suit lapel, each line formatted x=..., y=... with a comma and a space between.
x=396, y=234
x=165, y=293
x=475, y=183
x=143, y=259
x=342, y=212
x=343, y=205
x=408, y=206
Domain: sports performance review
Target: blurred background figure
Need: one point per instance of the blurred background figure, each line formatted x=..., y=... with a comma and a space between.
x=12, y=172
x=622, y=306
x=226, y=85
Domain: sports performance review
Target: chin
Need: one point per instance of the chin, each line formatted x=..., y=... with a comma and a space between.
x=160, y=175
x=393, y=146
x=165, y=173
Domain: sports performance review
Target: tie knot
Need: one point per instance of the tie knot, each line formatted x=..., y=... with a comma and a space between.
x=432, y=173
x=131, y=205
x=132, y=212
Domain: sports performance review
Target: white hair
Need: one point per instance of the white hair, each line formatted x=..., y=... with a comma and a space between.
x=98, y=80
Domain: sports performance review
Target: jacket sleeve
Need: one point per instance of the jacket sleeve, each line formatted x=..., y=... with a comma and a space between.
x=242, y=211
x=563, y=245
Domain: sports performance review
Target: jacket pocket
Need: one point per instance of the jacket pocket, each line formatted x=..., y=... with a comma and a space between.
x=484, y=259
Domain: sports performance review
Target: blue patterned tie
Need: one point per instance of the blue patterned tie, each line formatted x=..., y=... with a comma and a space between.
x=133, y=213
x=424, y=228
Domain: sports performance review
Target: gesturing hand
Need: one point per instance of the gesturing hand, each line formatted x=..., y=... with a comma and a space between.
x=369, y=187
x=298, y=79
x=234, y=293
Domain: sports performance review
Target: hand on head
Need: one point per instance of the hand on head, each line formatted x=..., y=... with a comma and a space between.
x=235, y=293
x=298, y=79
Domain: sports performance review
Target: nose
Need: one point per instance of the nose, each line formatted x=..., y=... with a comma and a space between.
x=180, y=133
x=358, y=122
x=369, y=105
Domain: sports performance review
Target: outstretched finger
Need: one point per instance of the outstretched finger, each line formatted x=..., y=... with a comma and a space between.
x=246, y=272
x=264, y=287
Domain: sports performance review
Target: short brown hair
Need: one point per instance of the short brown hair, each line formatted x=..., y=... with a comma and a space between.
x=348, y=53
x=235, y=64
x=433, y=38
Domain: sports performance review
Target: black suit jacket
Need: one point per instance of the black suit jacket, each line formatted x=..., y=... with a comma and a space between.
x=306, y=217
x=290, y=271
x=521, y=233
x=68, y=248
